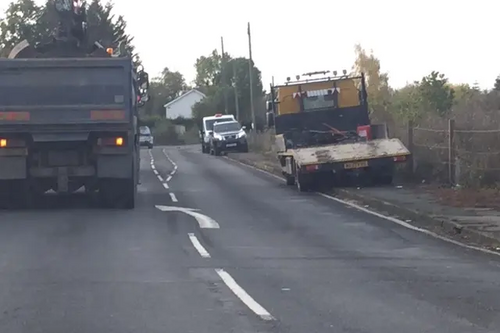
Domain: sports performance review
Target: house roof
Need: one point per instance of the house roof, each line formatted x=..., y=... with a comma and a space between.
x=192, y=91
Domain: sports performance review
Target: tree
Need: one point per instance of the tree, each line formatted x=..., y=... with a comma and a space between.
x=497, y=84
x=241, y=80
x=173, y=84
x=163, y=89
x=20, y=23
x=215, y=82
x=436, y=94
x=208, y=70
x=377, y=83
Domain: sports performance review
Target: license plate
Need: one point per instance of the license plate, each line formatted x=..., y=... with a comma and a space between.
x=231, y=145
x=356, y=165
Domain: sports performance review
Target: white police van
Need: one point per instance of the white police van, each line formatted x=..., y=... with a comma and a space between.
x=207, y=128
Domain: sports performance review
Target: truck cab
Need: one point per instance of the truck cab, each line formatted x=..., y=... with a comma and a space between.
x=207, y=127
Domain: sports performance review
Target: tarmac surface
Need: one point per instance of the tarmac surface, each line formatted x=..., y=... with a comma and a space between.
x=214, y=247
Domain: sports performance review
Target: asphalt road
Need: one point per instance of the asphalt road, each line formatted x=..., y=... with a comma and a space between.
x=251, y=256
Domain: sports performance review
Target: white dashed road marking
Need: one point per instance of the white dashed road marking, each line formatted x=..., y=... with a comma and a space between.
x=243, y=295
x=197, y=245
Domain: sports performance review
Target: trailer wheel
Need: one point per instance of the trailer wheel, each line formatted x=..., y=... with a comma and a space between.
x=303, y=183
x=384, y=180
x=290, y=180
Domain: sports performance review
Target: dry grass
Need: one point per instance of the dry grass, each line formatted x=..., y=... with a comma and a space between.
x=262, y=143
x=476, y=142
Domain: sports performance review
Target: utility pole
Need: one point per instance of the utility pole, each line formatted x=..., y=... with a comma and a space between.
x=250, y=68
x=223, y=74
x=236, y=103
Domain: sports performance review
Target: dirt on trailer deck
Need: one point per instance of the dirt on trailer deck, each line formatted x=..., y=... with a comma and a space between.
x=466, y=215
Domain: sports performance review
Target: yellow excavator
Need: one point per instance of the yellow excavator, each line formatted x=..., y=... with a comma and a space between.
x=324, y=134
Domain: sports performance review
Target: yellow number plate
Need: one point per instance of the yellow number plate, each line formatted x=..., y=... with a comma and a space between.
x=356, y=165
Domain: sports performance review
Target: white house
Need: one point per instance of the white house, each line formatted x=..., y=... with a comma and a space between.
x=181, y=106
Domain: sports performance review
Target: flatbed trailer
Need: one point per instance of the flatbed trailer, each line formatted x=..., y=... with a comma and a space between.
x=305, y=167
x=323, y=133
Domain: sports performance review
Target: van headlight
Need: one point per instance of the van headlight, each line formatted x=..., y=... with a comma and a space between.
x=218, y=137
x=242, y=135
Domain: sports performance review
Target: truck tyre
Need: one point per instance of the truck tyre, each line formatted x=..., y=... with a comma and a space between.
x=117, y=193
x=290, y=180
x=16, y=194
x=217, y=151
x=384, y=180
x=129, y=193
x=303, y=183
x=204, y=149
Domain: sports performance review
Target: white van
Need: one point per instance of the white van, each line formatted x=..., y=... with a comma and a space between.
x=208, y=127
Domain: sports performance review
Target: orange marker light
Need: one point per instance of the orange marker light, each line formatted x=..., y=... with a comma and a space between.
x=119, y=141
x=109, y=50
x=3, y=143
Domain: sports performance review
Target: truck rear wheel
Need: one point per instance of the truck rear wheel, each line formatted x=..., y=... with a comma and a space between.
x=129, y=193
x=16, y=194
x=117, y=193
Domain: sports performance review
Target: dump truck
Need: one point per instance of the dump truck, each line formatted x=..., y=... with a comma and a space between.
x=69, y=117
x=323, y=133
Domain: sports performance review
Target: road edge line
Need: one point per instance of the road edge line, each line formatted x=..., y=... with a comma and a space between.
x=380, y=215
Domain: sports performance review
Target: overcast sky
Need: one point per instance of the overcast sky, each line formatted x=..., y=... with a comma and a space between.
x=411, y=38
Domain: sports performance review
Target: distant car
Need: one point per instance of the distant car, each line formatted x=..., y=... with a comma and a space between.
x=228, y=136
x=146, y=138
x=207, y=128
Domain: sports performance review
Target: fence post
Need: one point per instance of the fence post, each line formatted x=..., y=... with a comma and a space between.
x=411, y=164
x=451, y=151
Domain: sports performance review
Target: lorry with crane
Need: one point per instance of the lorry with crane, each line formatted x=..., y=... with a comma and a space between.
x=323, y=133
x=69, y=117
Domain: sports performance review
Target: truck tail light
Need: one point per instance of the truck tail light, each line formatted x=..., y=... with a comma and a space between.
x=111, y=141
x=3, y=143
x=313, y=167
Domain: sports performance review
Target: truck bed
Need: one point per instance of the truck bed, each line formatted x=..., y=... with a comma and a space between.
x=67, y=91
x=349, y=152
